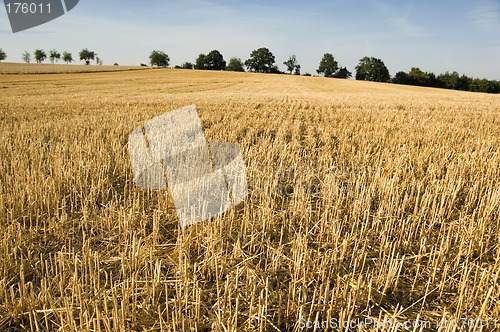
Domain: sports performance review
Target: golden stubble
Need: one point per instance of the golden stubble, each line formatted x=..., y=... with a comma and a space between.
x=366, y=200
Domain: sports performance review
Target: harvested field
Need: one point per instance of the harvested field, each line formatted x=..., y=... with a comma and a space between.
x=44, y=68
x=367, y=201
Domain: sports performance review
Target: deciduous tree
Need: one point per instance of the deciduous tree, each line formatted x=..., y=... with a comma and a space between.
x=26, y=57
x=87, y=55
x=292, y=64
x=328, y=66
x=54, y=55
x=212, y=61
x=261, y=61
x=159, y=59
x=40, y=56
x=372, y=69
x=235, y=64
x=343, y=73
x=67, y=57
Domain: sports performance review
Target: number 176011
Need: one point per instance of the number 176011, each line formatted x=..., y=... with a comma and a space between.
x=28, y=8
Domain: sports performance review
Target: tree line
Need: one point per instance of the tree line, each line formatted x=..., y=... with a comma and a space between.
x=447, y=81
x=262, y=60
x=40, y=56
x=368, y=69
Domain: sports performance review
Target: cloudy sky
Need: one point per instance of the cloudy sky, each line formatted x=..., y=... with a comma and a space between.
x=435, y=36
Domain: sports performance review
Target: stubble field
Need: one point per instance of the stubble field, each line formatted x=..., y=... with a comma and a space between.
x=47, y=68
x=367, y=202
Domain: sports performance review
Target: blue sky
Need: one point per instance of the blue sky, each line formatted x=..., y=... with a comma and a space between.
x=435, y=36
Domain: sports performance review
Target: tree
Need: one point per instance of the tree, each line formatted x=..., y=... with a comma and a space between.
x=215, y=61
x=235, y=64
x=464, y=83
x=54, y=55
x=328, y=66
x=40, y=56
x=200, y=61
x=292, y=64
x=275, y=70
x=261, y=61
x=87, y=55
x=418, y=77
x=492, y=86
x=449, y=81
x=343, y=73
x=480, y=85
x=484, y=85
x=187, y=65
x=98, y=61
x=297, y=70
x=159, y=59
x=67, y=57
x=26, y=57
x=372, y=69
x=401, y=77
x=212, y=61
x=3, y=55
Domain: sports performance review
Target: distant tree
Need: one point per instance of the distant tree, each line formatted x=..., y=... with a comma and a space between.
x=235, y=64
x=372, y=69
x=159, y=59
x=489, y=86
x=493, y=87
x=54, y=55
x=212, y=61
x=401, y=77
x=449, y=81
x=432, y=80
x=343, y=73
x=328, y=66
x=116, y=64
x=275, y=70
x=307, y=74
x=98, y=61
x=200, y=61
x=187, y=65
x=261, y=61
x=3, y=55
x=26, y=57
x=40, y=56
x=417, y=77
x=292, y=64
x=216, y=61
x=87, y=55
x=67, y=57
x=482, y=85
x=297, y=70
x=464, y=83
x=496, y=86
